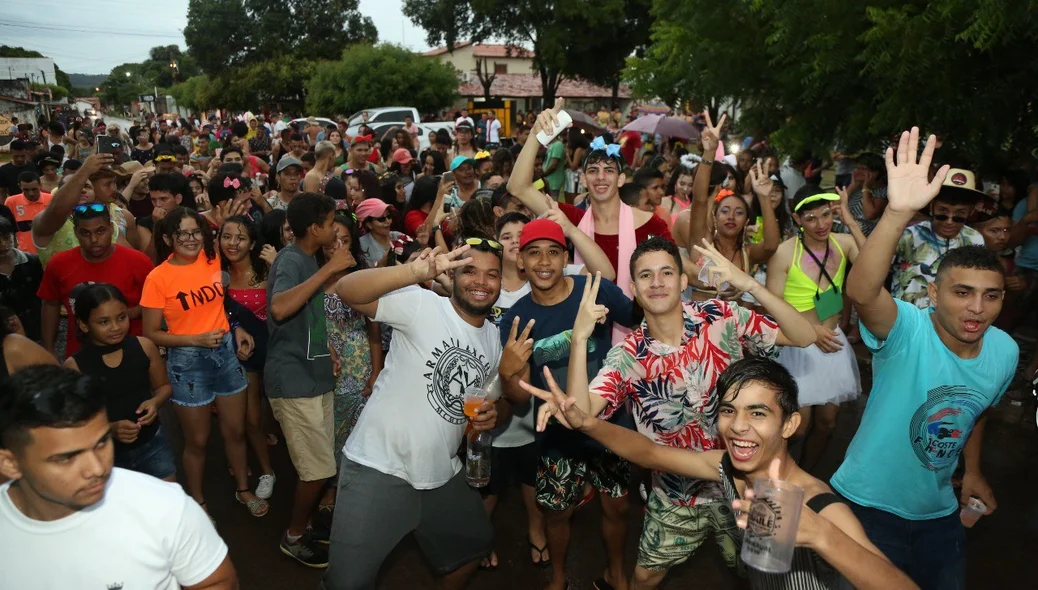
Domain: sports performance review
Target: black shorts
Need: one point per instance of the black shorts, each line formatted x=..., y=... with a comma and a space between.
x=512, y=465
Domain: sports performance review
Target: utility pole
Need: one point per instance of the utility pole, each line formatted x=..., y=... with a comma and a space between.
x=44, y=74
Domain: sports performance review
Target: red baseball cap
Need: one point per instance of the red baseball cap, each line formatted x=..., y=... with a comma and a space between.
x=542, y=229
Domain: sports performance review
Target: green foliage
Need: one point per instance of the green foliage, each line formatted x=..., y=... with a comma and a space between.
x=812, y=73
x=570, y=38
x=120, y=89
x=382, y=74
x=227, y=34
x=58, y=92
x=192, y=93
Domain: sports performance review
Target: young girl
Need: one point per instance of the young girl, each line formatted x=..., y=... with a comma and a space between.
x=187, y=292
x=245, y=260
x=134, y=377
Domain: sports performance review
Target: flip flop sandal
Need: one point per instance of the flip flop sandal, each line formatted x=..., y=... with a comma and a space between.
x=601, y=584
x=587, y=498
x=544, y=562
x=487, y=564
x=256, y=508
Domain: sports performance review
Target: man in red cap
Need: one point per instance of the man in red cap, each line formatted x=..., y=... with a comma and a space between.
x=357, y=155
x=567, y=460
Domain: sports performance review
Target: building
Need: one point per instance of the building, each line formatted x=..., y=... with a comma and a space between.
x=38, y=70
x=517, y=80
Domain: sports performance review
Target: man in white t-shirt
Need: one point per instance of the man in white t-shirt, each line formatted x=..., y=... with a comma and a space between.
x=493, y=131
x=71, y=520
x=400, y=473
x=464, y=118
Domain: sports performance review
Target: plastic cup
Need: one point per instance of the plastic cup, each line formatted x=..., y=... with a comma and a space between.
x=771, y=529
x=474, y=398
x=972, y=512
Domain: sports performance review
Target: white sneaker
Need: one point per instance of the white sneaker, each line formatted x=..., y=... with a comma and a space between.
x=265, y=487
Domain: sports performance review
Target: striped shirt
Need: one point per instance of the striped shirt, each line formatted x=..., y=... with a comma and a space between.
x=808, y=571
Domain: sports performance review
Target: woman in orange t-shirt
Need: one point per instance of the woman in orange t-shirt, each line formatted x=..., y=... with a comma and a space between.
x=187, y=290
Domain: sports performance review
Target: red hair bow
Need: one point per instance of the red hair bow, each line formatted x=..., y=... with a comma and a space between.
x=723, y=194
x=362, y=139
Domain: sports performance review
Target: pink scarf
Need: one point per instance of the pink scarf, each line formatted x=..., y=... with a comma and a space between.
x=628, y=242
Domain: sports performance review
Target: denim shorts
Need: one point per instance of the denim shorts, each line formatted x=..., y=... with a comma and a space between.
x=154, y=458
x=199, y=374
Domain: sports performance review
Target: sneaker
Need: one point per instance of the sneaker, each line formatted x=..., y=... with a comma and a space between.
x=319, y=534
x=305, y=552
x=265, y=487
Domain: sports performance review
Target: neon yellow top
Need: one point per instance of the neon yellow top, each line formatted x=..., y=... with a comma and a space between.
x=800, y=289
x=65, y=238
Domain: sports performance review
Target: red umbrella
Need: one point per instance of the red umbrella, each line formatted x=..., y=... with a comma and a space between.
x=665, y=126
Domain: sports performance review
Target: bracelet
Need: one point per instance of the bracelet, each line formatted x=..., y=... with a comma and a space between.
x=436, y=228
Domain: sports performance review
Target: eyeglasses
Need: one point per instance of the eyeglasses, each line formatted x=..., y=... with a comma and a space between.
x=89, y=208
x=484, y=242
x=188, y=236
x=955, y=218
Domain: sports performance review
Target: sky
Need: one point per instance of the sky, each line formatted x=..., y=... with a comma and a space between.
x=93, y=36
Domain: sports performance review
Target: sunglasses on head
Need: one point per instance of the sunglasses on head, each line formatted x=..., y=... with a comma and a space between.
x=484, y=242
x=955, y=218
x=89, y=209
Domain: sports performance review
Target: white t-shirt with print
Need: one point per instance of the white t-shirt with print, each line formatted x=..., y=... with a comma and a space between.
x=414, y=421
x=145, y=533
x=494, y=131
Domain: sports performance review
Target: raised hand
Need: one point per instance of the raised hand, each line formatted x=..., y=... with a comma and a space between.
x=555, y=214
x=712, y=133
x=724, y=270
x=432, y=263
x=590, y=312
x=268, y=254
x=548, y=119
x=761, y=182
x=95, y=162
x=811, y=526
x=517, y=351
x=563, y=408
x=342, y=259
x=908, y=187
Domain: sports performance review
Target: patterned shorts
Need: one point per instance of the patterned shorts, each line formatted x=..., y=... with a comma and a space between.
x=671, y=533
x=560, y=480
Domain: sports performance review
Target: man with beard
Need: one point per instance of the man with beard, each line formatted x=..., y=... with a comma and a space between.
x=666, y=372
x=98, y=259
x=935, y=373
x=71, y=519
x=918, y=255
x=400, y=472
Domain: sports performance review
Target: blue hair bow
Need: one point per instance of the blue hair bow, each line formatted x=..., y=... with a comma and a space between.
x=612, y=150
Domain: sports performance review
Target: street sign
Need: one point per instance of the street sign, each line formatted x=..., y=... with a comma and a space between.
x=147, y=98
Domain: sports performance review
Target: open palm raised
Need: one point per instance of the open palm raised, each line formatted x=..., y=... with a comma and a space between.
x=908, y=186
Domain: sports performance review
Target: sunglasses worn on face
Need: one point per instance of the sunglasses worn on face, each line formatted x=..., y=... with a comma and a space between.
x=954, y=218
x=482, y=241
x=384, y=218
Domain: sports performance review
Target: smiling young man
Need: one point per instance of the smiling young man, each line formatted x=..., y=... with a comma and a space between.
x=665, y=372
x=922, y=246
x=400, y=472
x=757, y=416
x=935, y=374
x=71, y=519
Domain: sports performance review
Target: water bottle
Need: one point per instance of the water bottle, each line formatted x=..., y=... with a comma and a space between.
x=477, y=459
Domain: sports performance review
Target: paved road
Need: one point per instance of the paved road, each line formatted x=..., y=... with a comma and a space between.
x=1000, y=547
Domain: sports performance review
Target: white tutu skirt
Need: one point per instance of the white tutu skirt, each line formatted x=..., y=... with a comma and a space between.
x=823, y=378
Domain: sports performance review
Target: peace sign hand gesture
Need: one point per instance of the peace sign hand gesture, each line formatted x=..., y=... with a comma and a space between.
x=591, y=312
x=564, y=409
x=761, y=182
x=517, y=350
x=722, y=270
x=712, y=133
x=432, y=263
x=908, y=189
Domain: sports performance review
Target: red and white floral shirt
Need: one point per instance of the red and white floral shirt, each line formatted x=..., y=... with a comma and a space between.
x=670, y=390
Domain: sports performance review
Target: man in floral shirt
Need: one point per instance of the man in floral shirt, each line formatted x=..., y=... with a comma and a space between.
x=666, y=373
x=923, y=245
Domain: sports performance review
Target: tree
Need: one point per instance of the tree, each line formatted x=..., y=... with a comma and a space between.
x=57, y=92
x=191, y=94
x=486, y=78
x=855, y=73
x=382, y=74
x=549, y=26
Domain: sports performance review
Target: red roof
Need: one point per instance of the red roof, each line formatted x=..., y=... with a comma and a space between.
x=529, y=85
x=486, y=50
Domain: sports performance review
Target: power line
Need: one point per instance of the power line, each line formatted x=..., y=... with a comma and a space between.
x=95, y=32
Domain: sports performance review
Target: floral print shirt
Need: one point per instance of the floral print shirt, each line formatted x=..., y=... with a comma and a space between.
x=670, y=390
x=918, y=256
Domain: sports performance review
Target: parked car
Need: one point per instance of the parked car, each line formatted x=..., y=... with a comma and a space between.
x=323, y=122
x=382, y=115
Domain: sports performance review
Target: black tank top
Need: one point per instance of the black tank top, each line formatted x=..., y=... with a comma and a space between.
x=126, y=386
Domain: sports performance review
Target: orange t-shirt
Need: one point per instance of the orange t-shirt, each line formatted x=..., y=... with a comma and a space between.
x=190, y=296
x=24, y=212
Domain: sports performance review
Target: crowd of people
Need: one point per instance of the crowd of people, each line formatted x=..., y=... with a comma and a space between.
x=644, y=316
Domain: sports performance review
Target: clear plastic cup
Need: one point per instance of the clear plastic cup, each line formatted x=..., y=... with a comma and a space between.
x=972, y=511
x=771, y=529
x=474, y=398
